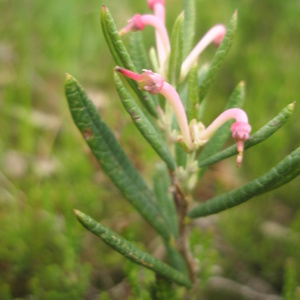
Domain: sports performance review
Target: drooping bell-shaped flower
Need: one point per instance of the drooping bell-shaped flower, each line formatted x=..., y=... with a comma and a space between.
x=240, y=129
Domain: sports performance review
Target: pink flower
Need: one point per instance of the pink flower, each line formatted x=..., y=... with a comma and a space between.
x=138, y=22
x=240, y=129
x=154, y=84
x=214, y=35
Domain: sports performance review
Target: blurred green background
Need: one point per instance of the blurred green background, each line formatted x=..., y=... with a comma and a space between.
x=46, y=169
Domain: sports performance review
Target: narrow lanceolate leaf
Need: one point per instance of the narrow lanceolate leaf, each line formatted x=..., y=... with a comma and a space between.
x=218, y=140
x=176, y=51
x=281, y=174
x=122, y=58
x=130, y=251
x=219, y=57
x=151, y=134
x=138, y=52
x=262, y=134
x=111, y=156
x=162, y=185
x=189, y=26
x=192, y=107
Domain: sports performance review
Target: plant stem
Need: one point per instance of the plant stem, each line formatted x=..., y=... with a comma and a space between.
x=183, y=241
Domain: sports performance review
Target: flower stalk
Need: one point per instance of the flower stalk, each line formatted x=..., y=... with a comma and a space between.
x=214, y=35
x=139, y=22
x=158, y=7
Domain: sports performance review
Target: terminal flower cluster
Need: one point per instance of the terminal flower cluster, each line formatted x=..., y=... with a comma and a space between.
x=194, y=134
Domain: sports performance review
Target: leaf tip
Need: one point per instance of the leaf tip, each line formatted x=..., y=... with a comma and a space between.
x=117, y=69
x=242, y=84
x=68, y=76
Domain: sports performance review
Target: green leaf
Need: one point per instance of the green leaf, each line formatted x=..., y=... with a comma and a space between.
x=111, y=156
x=189, y=25
x=130, y=251
x=219, y=57
x=138, y=52
x=193, y=95
x=180, y=155
x=151, y=133
x=279, y=175
x=262, y=134
x=122, y=58
x=176, y=51
x=162, y=185
x=215, y=144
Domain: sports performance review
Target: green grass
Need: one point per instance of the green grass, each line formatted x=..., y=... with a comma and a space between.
x=43, y=250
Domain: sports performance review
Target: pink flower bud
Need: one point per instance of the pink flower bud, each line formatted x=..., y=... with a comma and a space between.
x=219, y=38
x=136, y=23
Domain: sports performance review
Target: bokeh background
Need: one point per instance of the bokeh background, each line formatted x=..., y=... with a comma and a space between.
x=46, y=169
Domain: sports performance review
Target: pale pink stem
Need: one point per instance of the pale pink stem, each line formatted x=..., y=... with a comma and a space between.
x=159, y=12
x=214, y=35
x=234, y=113
x=160, y=29
x=173, y=98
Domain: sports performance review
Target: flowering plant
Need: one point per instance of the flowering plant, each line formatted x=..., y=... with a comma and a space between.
x=171, y=90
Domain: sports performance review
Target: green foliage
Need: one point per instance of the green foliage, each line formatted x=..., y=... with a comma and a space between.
x=122, y=57
x=111, y=156
x=45, y=253
x=163, y=289
x=162, y=188
x=219, y=57
x=130, y=251
x=291, y=284
x=262, y=134
x=192, y=109
x=189, y=9
x=215, y=144
x=48, y=268
x=176, y=51
x=148, y=129
x=140, y=280
x=202, y=247
x=282, y=173
x=138, y=52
